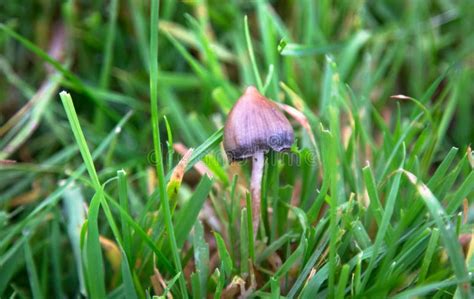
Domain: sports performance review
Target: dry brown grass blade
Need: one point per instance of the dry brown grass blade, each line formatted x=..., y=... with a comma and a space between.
x=200, y=167
x=300, y=118
x=27, y=197
x=39, y=100
x=178, y=174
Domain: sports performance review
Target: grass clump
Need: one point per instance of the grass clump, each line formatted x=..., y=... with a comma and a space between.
x=374, y=200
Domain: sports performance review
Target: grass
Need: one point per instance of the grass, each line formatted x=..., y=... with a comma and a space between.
x=114, y=182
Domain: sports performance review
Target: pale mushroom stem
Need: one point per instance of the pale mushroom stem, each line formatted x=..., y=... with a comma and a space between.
x=255, y=187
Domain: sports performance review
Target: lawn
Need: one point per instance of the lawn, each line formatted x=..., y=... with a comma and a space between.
x=114, y=179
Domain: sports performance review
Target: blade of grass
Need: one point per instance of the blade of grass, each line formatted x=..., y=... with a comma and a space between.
x=55, y=248
x=244, y=243
x=187, y=216
x=428, y=258
x=274, y=246
x=140, y=30
x=157, y=143
x=463, y=191
x=108, y=57
x=211, y=143
x=53, y=198
x=440, y=172
x=250, y=228
x=341, y=287
x=195, y=287
x=123, y=197
x=201, y=257
x=375, y=207
x=127, y=277
x=188, y=38
x=360, y=235
x=427, y=289
x=108, y=45
x=290, y=262
x=162, y=259
x=387, y=215
x=42, y=98
x=170, y=284
x=11, y=261
x=396, y=149
x=80, y=139
x=270, y=51
x=73, y=201
x=251, y=53
x=206, y=48
x=94, y=262
x=32, y=272
x=349, y=54
x=448, y=234
x=78, y=83
x=330, y=162
x=125, y=269
x=307, y=268
x=224, y=255
x=220, y=284
x=275, y=288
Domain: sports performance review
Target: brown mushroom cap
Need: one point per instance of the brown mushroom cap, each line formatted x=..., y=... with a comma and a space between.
x=255, y=124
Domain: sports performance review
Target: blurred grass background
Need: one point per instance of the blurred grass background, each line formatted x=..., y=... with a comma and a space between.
x=375, y=199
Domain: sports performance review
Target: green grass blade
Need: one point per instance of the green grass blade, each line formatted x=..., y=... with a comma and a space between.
x=73, y=201
x=32, y=272
x=466, y=188
x=430, y=250
x=80, y=139
x=195, y=285
x=224, y=255
x=187, y=216
x=349, y=54
x=448, y=234
x=250, y=235
x=162, y=259
x=426, y=289
x=157, y=143
x=127, y=277
x=123, y=198
x=94, y=262
x=201, y=257
x=290, y=261
x=52, y=199
x=330, y=166
x=244, y=243
x=307, y=268
x=77, y=83
x=341, y=287
x=108, y=45
x=440, y=172
x=387, y=215
x=55, y=249
x=275, y=288
x=251, y=53
x=220, y=284
x=375, y=206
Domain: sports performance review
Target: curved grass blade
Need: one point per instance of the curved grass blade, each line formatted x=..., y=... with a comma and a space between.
x=94, y=262
x=448, y=234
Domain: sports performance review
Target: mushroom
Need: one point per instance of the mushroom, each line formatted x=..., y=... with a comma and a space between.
x=254, y=126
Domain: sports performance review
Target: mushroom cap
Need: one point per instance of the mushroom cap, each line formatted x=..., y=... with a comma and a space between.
x=255, y=124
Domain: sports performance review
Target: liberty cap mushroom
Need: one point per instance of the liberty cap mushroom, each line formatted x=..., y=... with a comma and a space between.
x=254, y=126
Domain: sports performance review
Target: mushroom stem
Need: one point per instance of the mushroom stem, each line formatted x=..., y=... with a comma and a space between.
x=255, y=187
